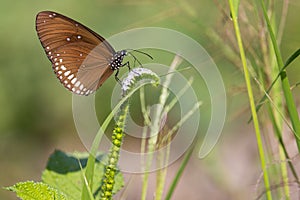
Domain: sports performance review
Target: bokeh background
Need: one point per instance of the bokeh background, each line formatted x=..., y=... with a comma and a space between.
x=36, y=111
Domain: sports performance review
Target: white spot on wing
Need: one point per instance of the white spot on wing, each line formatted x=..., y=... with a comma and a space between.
x=71, y=76
x=77, y=83
x=67, y=73
x=63, y=67
x=74, y=80
x=68, y=39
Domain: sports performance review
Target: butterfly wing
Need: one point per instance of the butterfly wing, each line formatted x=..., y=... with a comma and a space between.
x=79, y=56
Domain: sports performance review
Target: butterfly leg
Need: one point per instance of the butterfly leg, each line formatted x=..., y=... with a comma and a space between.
x=134, y=63
x=127, y=64
x=116, y=77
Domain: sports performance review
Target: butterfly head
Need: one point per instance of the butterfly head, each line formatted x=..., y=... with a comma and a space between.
x=117, y=59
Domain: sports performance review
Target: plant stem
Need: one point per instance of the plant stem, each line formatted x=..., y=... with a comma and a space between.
x=156, y=124
x=251, y=99
x=111, y=167
x=284, y=80
x=179, y=173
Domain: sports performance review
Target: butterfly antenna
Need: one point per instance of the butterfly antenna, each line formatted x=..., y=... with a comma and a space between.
x=135, y=59
x=141, y=53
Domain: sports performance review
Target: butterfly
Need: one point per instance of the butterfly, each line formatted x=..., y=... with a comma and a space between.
x=82, y=60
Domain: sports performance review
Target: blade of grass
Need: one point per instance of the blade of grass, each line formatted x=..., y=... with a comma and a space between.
x=289, y=61
x=251, y=100
x=91, y=197
x=179, y=172
x=284, y=80
x=278, y=105
x=278, y=132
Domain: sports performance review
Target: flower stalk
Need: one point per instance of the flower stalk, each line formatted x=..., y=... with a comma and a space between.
x=135, y=77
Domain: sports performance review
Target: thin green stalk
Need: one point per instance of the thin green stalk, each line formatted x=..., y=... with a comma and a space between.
x=143, y=107
x=284, y=80
x=91, y=197
x=147, y=122
x=179, y=172
x=162, y=159
x=275, y=117
x=180, y=93
x=165, y=140
x=132, y=83
x=287, y=63
x=89, y=172
x=111, y=168
x=184, y=118
x=128, y=85
x=251, y=100
x=277, y=121
x=156, y=124
x=284, y=173
x=277, y=130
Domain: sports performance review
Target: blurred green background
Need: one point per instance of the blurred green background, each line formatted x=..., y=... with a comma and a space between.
x=36, y=111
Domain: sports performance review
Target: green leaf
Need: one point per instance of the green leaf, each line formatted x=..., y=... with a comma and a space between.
x=291, y=58
x=36, y=191
x=64, y=172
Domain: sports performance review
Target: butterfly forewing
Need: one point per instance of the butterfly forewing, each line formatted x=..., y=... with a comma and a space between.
x=80, y=57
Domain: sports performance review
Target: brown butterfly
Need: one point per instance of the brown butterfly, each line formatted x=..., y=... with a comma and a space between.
x=81, y=59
